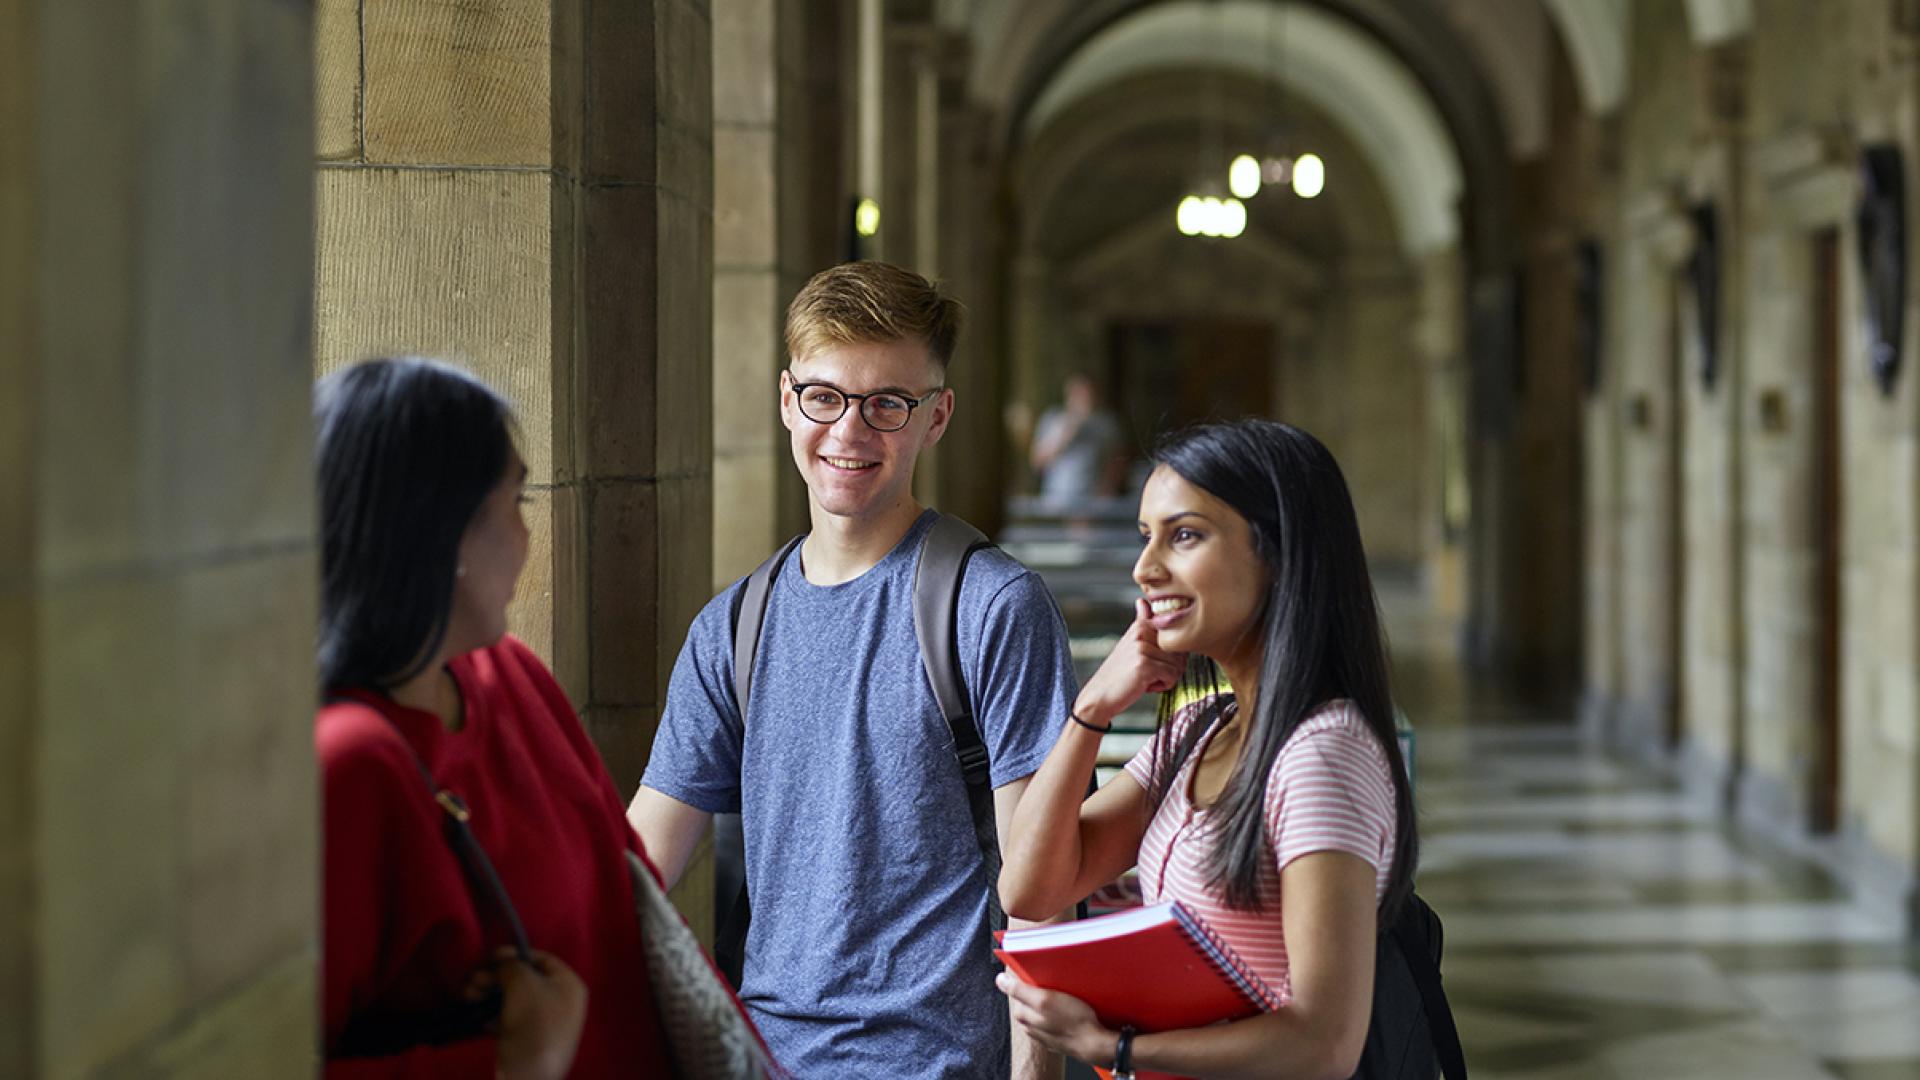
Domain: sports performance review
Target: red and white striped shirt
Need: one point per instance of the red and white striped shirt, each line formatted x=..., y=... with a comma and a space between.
x=1330, y=789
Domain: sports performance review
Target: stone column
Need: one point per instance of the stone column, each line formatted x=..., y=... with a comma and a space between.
x=445, y=229
x=748, y=305
x=974, y=466
x=1490, y=330
x=814, y=103
x=525, y=187
x=1712, y=652
x=158, y=842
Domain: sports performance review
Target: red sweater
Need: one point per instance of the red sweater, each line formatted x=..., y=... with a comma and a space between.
x=402, y=930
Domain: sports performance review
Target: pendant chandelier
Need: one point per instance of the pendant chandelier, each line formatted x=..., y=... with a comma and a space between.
x=1210, y=212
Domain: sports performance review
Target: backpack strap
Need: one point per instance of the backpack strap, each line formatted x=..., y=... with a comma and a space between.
x=1423, y=965
x=750, y=610
x=936, y=602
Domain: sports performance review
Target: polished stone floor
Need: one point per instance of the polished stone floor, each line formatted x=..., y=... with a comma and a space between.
x=1600, y=923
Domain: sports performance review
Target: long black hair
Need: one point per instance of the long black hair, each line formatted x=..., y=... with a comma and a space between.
x=1320, y=635
x=408, y=450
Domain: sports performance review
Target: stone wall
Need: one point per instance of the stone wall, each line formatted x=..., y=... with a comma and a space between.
x=529, y=193
x=1769, y=128
x=1557, y=194
x=749, y=447
x=158, y=842
x=525, y=187
x=1880, y=490
x=1650, y=385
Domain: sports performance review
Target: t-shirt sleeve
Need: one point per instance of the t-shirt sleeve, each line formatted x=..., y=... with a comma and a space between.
x=1330, y=791
x=696, y=753
x=1022, y=681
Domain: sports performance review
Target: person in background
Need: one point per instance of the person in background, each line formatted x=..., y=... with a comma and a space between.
x=1076, y=446
x=1279, y=812
x=422, y=542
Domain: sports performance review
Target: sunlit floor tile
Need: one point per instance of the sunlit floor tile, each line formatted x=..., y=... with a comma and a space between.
x=1672, y=924
x=1748, y=1050
x=1853, y=1015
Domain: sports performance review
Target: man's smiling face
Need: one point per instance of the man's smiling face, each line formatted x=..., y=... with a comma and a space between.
x=852, y=470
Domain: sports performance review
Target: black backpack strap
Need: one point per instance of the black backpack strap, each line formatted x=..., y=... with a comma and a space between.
x=749, y=612
x=936, y=602
x=1423, y=964
x=732, y=909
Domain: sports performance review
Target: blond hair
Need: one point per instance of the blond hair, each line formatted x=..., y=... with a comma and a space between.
x=863, y=302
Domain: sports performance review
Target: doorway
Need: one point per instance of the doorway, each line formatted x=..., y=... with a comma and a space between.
x=1823, y=796
x=1685, y=321
x=1167, y=373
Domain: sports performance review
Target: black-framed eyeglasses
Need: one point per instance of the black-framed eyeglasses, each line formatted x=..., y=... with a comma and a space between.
x=825, y=403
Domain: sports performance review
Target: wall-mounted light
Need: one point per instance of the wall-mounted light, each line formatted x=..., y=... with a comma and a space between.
x=1309, y=176
x=866, y=217
x=1243, y=176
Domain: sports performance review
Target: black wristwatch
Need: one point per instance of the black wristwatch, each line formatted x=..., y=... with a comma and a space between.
x=1123, y=1055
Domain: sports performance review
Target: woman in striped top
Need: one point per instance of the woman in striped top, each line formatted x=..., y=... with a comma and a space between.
x=1280, y=812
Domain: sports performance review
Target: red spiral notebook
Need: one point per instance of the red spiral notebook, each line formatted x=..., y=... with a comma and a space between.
x=1159, y=968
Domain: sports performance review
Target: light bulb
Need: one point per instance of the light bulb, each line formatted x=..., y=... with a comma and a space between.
x=1214, y=221
x=1243, y=176
x=1233, y=218
x=866, y=217
x=1189, y=216
x=1309, y=176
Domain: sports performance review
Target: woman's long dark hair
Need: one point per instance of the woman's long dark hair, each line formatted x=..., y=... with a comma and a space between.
x=408, y=451
x=1320, y=635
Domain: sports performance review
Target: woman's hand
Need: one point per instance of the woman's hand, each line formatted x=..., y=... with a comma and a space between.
x=543, y=1005
x=1059, y=1021
x=1136, y=666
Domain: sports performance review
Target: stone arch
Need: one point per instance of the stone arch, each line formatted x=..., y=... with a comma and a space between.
x=1075, y=139
x=1595, y=32
x=1714, y=22
x=1024, y=47
x=1325, y=60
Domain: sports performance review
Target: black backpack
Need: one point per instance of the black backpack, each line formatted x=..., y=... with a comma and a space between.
x=942, y=563
x=1411, y=1035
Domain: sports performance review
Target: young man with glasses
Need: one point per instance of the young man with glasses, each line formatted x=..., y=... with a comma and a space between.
x=867, y=954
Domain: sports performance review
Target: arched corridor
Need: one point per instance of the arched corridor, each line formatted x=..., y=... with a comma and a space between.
x=1602, y=308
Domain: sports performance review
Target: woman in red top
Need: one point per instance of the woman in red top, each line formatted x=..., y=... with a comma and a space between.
x=422, y=543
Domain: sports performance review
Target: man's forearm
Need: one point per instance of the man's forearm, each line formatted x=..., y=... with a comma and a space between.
x=669, y=831
x=1031, y=1060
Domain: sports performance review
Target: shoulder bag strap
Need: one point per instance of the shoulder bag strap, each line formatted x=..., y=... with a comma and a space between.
x=482, y=878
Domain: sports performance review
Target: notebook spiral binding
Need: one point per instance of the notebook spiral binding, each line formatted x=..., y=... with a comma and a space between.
x=1223, y=958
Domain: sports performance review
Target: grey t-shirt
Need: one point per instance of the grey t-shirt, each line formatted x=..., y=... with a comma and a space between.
x=868, y=954
x=1076, y=470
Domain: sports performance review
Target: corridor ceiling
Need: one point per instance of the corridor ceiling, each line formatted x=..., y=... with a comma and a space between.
x=1328, y=61
x=1418, y=88
x=1474, y=64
